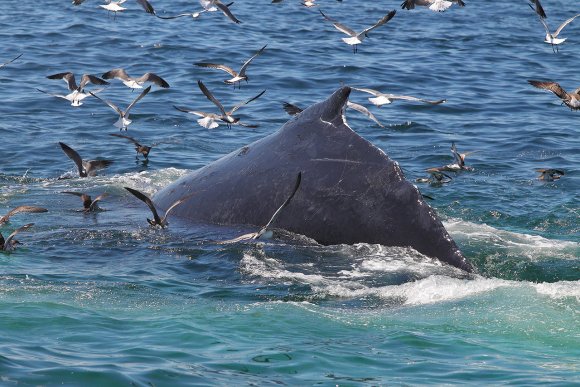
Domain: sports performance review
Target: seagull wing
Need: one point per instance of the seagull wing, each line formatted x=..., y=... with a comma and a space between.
x=68, y=77
x=550, y=86
x=409, y=98
x=538, y=8
x=54, y=95
x=10, y=61
x=286, y=202
x=147, y=6
x=370, y=91
x=384, y=20
x=94, y=202
x=143, y=94
x=175, y=17
x=292, y=109
x=210, y=96
x=86, y=78
x=226, y=10
x=245, y=65
x=222, y=67
x=365, y=111
x=245, y=102
x=131, y=139
x=341, y=27
x=111, y=105
x=177, y=202
x=152, y=77
x=21, y=209
x=116, y=73
x=144, y=198
x=555, y=34
x=74, y=156
x=8, y=240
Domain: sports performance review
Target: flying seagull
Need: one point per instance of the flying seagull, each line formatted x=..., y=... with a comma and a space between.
x=123, y=122
x=356, y=38
x=549, y=174
x=265, y=229
x=434, y=5
x=538, y=8
x=210, y=8
x=10, y=243
x=143, y=149
x=135, y=83
x=21, y=209
x=552, y=38
x=572, y=100
x=293, y=110
x=89, y=205
x=380, y=99
x=209, y=4
x=85, y=167
x=10, y=61
x=211, y=120
x=236, y=77
x=77, y=92
x=157, y=221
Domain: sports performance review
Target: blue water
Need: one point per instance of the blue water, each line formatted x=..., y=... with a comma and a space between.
x=103, y=299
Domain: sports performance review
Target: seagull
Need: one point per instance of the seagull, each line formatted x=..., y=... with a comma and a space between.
x=89, y=204
x=437, y=176
x=210, y=121
x=459, y=160
x=434, y=5
x=572, y=100
x=550, y=174
x=380, y=99
x=143, y=149
x=10, y=243
x=157, y=221
x=236, y=77
x=10, y=61
x=552, y=38
x=21, y=209
x=123, y=122
x=265, y=230
x=538, y=8
x=293, y=110
x=77, y=92
x=149, y=9
x=135, y=83
x=86, y=167
x=356, y=38
x=113, y=6
x=210, y=4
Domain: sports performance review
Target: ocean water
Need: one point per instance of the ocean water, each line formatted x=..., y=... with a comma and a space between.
x=103, y=299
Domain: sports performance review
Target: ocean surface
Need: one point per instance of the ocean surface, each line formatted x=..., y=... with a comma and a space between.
x=102, y=299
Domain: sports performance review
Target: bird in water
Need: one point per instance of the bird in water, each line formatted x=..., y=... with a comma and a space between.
x=85, y=167
x=123, y=122
x=89, y=205
x=356, y=38
x=549, y=174
x=141, y=149
x=572, y=100
x=206, y=7
x=237, y=77
x=157, y=220
x=77, y=92
x=19, y=210
x=437, y=176
x=434, y=5
x=459, y=164
x=293, y=110
x=135, y=83
x=10, y=243
x=264, y=231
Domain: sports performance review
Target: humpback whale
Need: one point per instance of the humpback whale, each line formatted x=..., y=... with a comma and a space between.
x=351, y=191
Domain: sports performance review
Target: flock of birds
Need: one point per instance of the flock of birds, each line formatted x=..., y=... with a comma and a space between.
x=210, y=120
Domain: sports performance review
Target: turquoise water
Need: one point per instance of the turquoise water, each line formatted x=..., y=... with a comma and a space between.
x=102, y=299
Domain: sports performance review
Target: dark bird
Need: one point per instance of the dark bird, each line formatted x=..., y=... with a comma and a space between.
x=135, y=83
x=85, y=167
x=572, y=100
x=143, y=149
x=89, y=205
x=437, y=176
x=157, y=221
x=549, y=174
x=123, y=122
x=10, y=61
x=19, y=210
x=356, y=38
x=265, y=229
x=10, y=243
x=236, y=77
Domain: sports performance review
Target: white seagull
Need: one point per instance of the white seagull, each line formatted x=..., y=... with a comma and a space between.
x=434, y=5
x=356, y=38
x=123, y=122
x=210, y=8
x=380, y=99
x=552, y=38
x=237, y=77
x=135, y=83
x=77, y=92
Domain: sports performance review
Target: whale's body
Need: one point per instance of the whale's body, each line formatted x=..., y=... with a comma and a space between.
x=351, y=191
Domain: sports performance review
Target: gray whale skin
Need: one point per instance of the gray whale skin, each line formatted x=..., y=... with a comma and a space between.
x=351, y=191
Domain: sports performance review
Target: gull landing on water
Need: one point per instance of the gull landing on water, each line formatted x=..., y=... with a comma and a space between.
x=572, y=100
x=89, y=205
x=236, y=77
x=264, y=230
x=85, y=167
x=21, y=209
x=434, y=5
x=135, y=83
x=77, y=92
x=157, y=221
x=356, y=38
x=380, y=99
x=552, y=38
x=10, y=243
x=123, y=122
x=141, y=149
x=549, y=174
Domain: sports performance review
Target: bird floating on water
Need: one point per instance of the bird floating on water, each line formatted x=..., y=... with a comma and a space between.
x=85, y=167
x=380, y=99
x=459, y=164
x=356, y=38
x=157, y=221
x=549, y=174
x=10, y=243
x=89, y=205
x=237, y=77
x=123, y=122
x=434, y=5
x=437, y=176
x=572, y=100
x=19, y=210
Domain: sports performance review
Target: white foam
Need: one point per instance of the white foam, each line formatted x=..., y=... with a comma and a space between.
x=559, y=290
